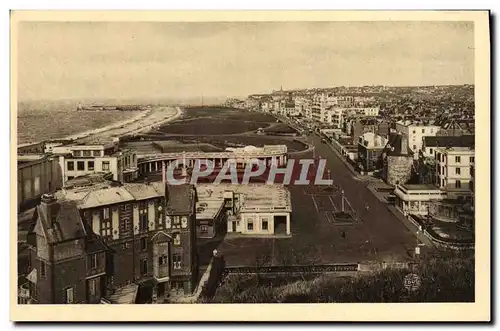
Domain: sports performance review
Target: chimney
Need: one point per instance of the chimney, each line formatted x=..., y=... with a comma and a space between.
x=404, y=145
x=49, y=206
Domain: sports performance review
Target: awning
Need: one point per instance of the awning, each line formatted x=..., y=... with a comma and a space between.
x=32, y=276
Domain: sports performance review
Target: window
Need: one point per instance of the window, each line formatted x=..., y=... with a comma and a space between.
x=105, y=165
x=105, y=213
x=177, y=239
x=43, y=270
x=144, y=244
x=265, y=225
x=457, y=171
x=414, y=147
x=71, y=166
x=177, y=261
x=69, y=295
x=203, y=228
x=471, y=159
x=442, y=182
x=457, y=184
x=431, y=151
x=177, y=286
x=93, y=261
x=96, y=153
x=250, y=225
x=80, y=166
x=144, y=267
x=144, y=222
x=162, y=260
x=86, y=153
x=77, y=153
x=423, y=130
x=90, y=165
x=92, y=286
x=457, y=159
x=414, y=131
x=106, y=228
x=71, y=177
x=177, y=222
x=125, y=246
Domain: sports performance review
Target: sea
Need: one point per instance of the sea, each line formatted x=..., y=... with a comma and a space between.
x=44, y=120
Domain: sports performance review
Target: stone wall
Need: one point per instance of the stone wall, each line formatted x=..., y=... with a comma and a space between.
x=397, y=169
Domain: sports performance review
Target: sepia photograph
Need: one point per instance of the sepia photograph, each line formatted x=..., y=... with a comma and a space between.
x=207, y=160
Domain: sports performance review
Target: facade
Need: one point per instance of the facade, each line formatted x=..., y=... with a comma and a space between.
x=321, y=103
x=31, y=148
x=252, y=209
x=141, y=233
x=63, y=244
x=81, y=160
x=453, y=170
x=361, y=126
x=270, y=154
x=430, y=144
x=370, y=149
x=417, y=199
x=415, y=132
x=36, y=175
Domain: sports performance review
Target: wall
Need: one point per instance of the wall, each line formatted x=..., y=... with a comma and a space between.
x=98, y=166
x=398, y=169
x=36, y=178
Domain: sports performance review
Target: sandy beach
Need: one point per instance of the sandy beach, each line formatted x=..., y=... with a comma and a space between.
x=144, y=121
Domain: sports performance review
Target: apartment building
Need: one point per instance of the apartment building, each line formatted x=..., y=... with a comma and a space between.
x=321, y=103
x=453, y=170
x=415, y=132
x=80, y=160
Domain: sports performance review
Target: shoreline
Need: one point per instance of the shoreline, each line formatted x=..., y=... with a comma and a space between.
x=148, y=116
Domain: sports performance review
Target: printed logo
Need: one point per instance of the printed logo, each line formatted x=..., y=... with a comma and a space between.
x=412, y=282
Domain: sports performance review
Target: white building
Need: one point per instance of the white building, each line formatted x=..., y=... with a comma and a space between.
x=416, y=199
x=453, y=170
x=253, y=209
x=80, y=160
x=415, y=132
x=320, y=105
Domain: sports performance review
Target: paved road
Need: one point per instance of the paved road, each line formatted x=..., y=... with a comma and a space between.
x=378, y=216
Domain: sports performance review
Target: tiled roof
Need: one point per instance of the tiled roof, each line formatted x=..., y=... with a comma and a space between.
x=450, y=141
x=106, y=196
x=143, y=191
x=59, y=221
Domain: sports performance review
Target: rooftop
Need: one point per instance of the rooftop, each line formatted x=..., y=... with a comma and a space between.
x=253, y=197
x=419, y=187
x=245, y=152
x=451, y=141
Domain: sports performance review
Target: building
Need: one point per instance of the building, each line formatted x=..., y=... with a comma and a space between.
x=430, y=144
x=397, y=160
x=31, y=148
x=63, y=244
x=370, y=149
x=211, y=214
x=361, y=126
x=415, y=132
x=417, y=199
x=105, y=237
x=80, y=160
x=453, y=170
x=36, y=175
x=252, y=209
x=456, y=126
x=320, y=105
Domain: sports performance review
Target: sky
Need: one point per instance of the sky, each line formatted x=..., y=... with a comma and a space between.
x=74, y=60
